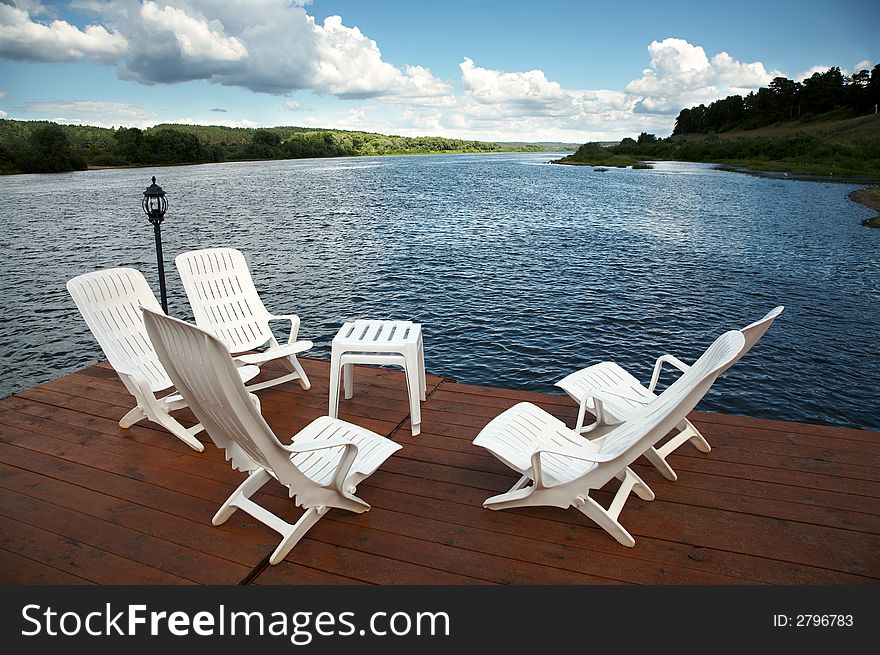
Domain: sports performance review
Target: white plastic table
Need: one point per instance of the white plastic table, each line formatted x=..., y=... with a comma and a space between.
x=396, y=343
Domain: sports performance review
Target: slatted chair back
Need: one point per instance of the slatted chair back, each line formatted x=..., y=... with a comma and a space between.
x=110, y=301
x=649, y=424
x=223, y=297
x=205, y=375
x=754, y=331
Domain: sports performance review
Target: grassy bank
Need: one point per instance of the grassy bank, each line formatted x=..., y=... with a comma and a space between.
x=821, y=148
x=595, y=154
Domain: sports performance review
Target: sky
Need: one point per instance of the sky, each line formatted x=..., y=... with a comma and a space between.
x=548, y=70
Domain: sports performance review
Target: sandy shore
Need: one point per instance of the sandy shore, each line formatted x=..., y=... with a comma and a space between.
x=869, y=197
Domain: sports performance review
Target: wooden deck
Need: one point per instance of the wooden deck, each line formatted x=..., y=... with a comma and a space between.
x=84, y=501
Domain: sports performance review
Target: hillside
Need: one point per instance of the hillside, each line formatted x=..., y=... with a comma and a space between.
x=45, y=147
x=828, y=127
x=823, y=146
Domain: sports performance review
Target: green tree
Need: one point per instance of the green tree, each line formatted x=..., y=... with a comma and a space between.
x=168, y=145
x=128, y=144
x=49, y=152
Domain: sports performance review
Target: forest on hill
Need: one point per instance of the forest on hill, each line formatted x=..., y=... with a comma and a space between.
x=47, y=147
x=786, y=100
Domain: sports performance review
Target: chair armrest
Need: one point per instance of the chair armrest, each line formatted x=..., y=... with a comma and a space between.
x=665, y=359
x=343, y=468
x=599, y=398
x=574, y=453
x=321, y=444
x=294, y=324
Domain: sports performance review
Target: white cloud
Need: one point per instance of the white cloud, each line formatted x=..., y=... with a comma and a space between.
x=196, y=37
x=531, y=91
x=100, y=114
x=681, y=75
x=3, y=114
x=23, y=39
x=864, y=65
x=89, y=108
x=276, y=47
x=224, y=122
x=810, y=72
x=267, y=46
x=502, y=105
x=350, y=65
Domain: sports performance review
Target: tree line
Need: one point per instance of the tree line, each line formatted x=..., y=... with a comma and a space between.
x=46, y=147
x=785, y=100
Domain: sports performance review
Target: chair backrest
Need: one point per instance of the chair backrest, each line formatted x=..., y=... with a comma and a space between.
x=205, y=375
x=223, y=298
x=753, y=332
x=651, y=423
x=110, y=301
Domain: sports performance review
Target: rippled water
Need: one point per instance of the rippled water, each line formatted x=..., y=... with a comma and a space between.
x=519, y=271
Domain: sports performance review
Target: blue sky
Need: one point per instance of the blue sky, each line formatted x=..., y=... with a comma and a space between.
x=550, y=70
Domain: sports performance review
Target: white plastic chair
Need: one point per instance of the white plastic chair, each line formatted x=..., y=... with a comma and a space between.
x=225, y=302
x=321, y=468
x=621, y=394
x=110, y=301
x=560, y=467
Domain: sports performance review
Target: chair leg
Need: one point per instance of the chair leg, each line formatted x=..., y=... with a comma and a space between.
x=657, y=456
x=348, y=380
x=410, y=369
x=292, y=364
x=695, y=437
x=132, y=417
x=296, y=532
x=611, y=525
x=579, y=423
x=522, y=482
x=335, y=373
x=607, y=518
x=423, y=383
x=245, y=490
x=660, y=463
x=186, y=435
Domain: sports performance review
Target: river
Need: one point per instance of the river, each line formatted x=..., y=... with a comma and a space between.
x=520, y=271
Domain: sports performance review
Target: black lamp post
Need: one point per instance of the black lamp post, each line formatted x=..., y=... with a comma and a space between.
x=155, y=204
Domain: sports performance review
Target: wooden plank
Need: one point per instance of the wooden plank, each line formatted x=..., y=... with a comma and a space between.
x=240, y=534
x=774, y=502
x=288, y=572
x=112, y=538
x=353, y=564
x=756, y=437
x=761, y=536
x=830, y=508
x=197, y=535
x=19, y=428
x=440, y=552
x=79, y=424
x=569, y=527
x=71, y=556
x=787, y=426
x=16, y=569
x=408, y=514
